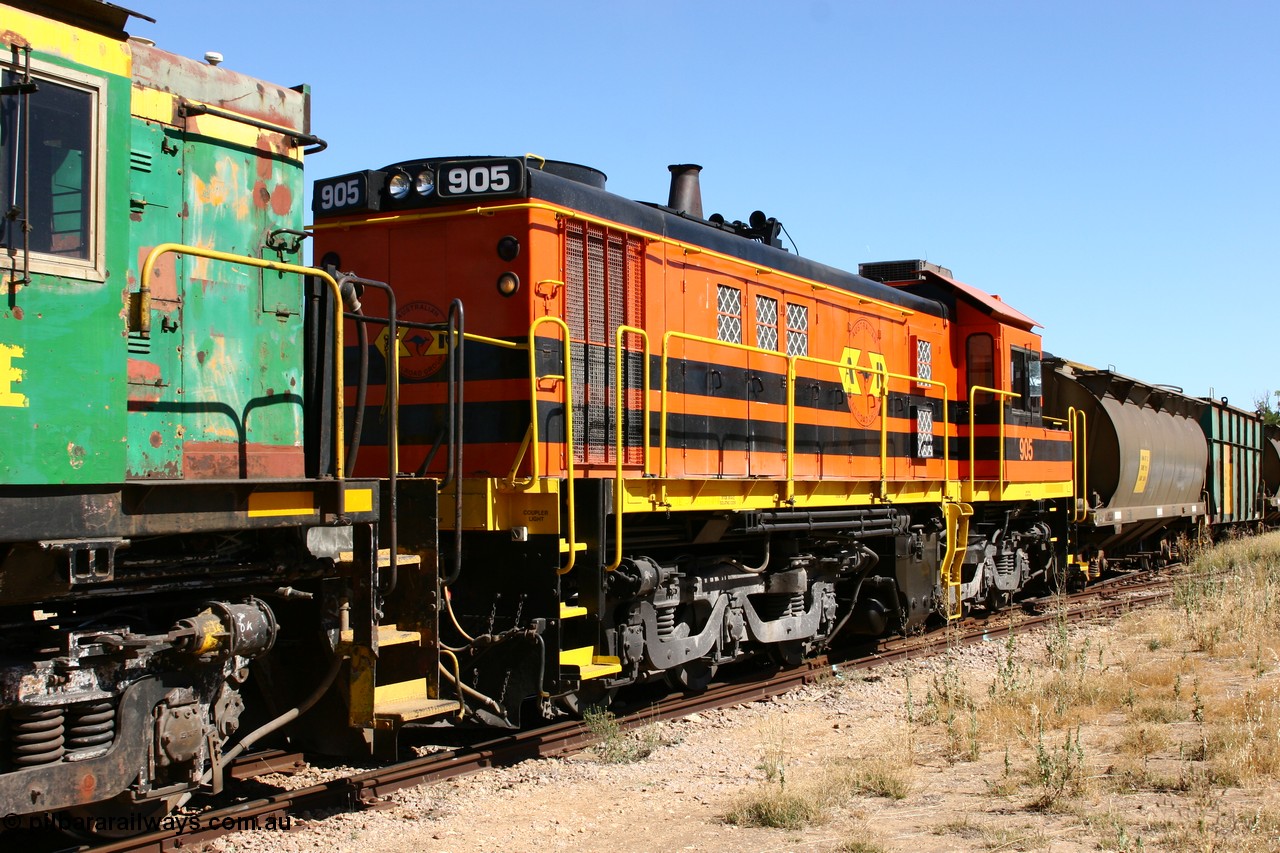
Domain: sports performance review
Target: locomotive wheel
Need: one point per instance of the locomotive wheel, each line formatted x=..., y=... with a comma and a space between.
x=590, y=697
x=788, y=654
x=691, y=677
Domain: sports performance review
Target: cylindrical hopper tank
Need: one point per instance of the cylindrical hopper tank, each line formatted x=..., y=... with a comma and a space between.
x=1145, y=451
x=1271, y=471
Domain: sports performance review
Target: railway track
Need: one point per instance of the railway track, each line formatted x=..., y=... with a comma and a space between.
x=371, y=788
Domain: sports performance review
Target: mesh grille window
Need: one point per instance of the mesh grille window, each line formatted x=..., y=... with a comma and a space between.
x=766, y=322
x=729, y=314
x=924, y=432
x=604, y=289
x=797, y=330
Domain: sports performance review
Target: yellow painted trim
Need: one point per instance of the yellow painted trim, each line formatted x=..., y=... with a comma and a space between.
x=600, y=666
x=152, y=104
x=57, y=39
x=577, y=657
x=274, y=504
x=357, y=500
x=401, y=691
x=569, y=612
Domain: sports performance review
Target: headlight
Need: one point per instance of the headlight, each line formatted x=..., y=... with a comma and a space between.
x=399, y=184
x=425, y=183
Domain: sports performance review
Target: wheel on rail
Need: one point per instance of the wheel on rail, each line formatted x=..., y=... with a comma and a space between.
x=692, y=677
x=787, y=654
x=590, y=696
x=120, y=817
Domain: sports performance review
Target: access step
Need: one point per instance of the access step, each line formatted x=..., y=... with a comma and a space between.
x=577, y=546
x=589, y=664
x=384, y=558
x=569, y=611
x=388, y=635
x=406, y=701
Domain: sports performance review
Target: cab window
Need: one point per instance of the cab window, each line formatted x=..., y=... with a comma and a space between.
x=1024, y=370
x=49, y=173
x=980, y=365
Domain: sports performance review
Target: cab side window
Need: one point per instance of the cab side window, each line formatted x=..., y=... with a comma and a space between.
x=1026, y=383
x=48, y=169
x=980, y=365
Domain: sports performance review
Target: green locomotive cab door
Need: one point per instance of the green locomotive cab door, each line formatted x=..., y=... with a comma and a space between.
x=155, y=421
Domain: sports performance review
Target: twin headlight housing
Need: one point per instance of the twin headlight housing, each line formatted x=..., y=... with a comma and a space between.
x=399, y=185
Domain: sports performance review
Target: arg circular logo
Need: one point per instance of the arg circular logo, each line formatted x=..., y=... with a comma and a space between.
x=422, y=351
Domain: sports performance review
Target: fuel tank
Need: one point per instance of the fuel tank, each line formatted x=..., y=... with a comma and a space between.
x=1145, y=452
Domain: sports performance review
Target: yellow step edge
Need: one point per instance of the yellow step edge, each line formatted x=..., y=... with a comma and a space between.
x=600, y=666
x=388, y=635
x=569, y=612
x=577, y=657
x=400, y=691
x=384, y=558
x=589, y=664
x=577, y=546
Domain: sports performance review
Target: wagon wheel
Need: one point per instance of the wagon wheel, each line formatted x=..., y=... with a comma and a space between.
x=787, y=654
x=691, y=677
x=591, y=696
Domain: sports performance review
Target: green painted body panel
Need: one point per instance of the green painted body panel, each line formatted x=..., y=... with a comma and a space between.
x=219, y=393
x=215, y=390
x=68, y=424
x=1234, y=481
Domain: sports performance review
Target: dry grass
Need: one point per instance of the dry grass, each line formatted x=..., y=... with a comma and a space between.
x=1164, y=736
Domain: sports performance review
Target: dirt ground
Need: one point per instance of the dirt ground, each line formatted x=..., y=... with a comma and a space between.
x=885, y=761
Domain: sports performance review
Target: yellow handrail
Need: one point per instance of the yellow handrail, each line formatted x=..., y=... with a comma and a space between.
x=885, y=375
x=1079, y=464
x=618, y=410
x=666, y=341
x=144, y=319
x=568, y=421
x=686, y=248
x=973, y=392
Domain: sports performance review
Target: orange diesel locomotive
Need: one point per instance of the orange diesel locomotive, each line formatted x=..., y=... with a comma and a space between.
x=663, y=443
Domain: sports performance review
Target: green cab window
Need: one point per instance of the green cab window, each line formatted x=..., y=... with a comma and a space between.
x=46, y=170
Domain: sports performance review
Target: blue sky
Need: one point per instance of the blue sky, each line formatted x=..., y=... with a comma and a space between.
x=1111, y=169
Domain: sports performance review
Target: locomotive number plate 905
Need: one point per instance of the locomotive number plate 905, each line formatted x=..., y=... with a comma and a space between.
x=490, y=176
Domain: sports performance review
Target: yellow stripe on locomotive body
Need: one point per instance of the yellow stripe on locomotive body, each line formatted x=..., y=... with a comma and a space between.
x=727, y=329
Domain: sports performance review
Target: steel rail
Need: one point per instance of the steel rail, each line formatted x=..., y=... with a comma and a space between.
x=370, y=788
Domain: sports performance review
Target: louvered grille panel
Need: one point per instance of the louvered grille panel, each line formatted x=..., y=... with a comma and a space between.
x=575, y=314
x=633, y=290
x=603, y=278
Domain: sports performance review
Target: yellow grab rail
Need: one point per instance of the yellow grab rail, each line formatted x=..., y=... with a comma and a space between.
x=618, y=449
x=973, y=439
x=567, y=378
x=1079, y=464
x=666, y=354
x=144, y=318
x=884, y=375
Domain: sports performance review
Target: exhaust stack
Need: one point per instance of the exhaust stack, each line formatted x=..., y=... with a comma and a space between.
x=686, y=194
